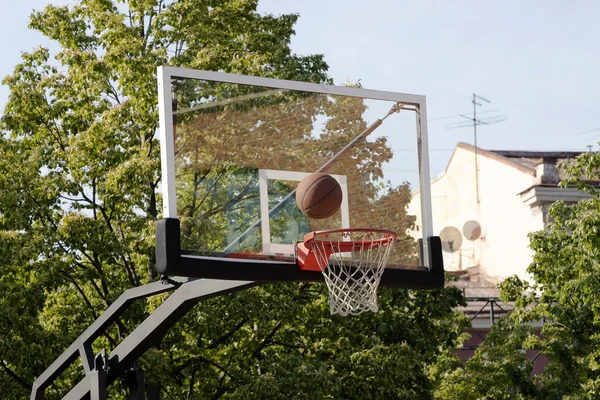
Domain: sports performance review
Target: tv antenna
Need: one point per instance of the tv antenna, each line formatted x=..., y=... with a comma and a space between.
x=474, y=122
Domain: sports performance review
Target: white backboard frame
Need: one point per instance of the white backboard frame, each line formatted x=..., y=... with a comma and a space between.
x=294, y=176
x=165, y=74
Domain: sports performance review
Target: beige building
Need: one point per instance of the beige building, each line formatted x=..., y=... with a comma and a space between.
x=486, y=203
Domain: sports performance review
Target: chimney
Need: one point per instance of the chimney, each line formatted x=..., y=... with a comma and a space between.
x=546, y=171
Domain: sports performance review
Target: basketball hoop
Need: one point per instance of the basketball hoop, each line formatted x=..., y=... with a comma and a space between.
x=352, y=262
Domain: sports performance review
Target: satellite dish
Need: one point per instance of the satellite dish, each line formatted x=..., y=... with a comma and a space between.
x=451, y=239
x=472, y=230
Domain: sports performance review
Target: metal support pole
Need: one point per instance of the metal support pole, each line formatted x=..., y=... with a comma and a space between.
x=157, y=324
x=97, y=377
x=152, y=392
x=136, y=382
x=475, y=104
x=87, y=357
x=98, y=385
x=112, y=313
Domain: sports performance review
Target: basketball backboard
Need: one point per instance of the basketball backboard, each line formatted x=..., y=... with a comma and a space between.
x=234, y=148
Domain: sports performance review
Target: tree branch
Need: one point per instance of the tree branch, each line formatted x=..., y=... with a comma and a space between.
x=256, y=353
x=191, y=385
x=12, y=374
x=229, y=334
x=295, y=346
x=82, y=293
x=88, y=303
x=222, y=389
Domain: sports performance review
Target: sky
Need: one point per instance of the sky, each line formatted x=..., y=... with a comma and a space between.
x=537, y=61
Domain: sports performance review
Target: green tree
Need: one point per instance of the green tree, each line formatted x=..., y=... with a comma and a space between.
x=564, y=295
x=78, y=199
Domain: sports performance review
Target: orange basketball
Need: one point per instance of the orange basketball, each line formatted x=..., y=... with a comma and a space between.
x=319, y=196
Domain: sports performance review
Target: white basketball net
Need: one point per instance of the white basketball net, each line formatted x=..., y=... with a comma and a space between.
x=352, y=263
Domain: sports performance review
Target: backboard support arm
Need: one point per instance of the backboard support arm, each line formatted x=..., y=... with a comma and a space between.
x=187, y=294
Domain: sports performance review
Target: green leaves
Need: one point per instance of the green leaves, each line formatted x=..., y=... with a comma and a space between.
x=79, y=179
x=563, y=297
x=279, y=341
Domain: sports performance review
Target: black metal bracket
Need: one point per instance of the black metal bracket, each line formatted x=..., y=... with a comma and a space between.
x=148, y=333
x=168, y=244
x=171, y=262
x=81, y=347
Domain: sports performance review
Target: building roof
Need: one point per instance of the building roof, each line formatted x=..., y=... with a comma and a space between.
x=522, y=160
x=525, y=160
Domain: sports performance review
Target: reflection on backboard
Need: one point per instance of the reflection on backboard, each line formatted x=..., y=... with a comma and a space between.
x=234, y=148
